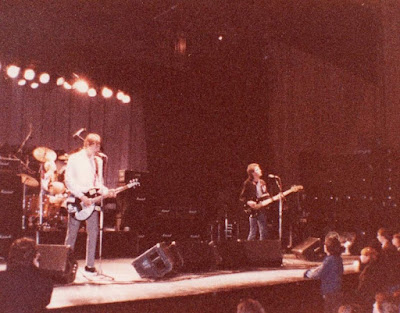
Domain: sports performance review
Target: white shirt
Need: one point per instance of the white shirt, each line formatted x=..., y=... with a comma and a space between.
x=82, y=174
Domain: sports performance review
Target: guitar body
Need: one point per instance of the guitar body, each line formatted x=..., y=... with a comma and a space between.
x=80, y=211
x=254, y=212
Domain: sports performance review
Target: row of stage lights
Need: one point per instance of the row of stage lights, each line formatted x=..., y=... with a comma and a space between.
x=80, y=85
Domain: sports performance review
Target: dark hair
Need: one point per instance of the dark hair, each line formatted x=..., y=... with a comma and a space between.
x=385, y=233
x=22, y=253
x=250, y=306
x=333, y=246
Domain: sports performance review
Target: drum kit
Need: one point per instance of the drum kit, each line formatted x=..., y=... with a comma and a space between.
x=46, y=210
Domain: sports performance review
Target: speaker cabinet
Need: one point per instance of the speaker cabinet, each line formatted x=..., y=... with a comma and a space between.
x=193, y=256
x=265, y=253
x=242, y=254
x=155, y=262
x=310, y=249
x=10, y=204
x=57, y=262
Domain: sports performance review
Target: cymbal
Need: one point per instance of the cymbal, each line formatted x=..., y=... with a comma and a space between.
x=63, y=157
x=28, y=180
x=43, y=154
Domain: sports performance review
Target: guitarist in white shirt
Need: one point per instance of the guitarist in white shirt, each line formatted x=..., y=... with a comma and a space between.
x=254, y=189
x=83, y=174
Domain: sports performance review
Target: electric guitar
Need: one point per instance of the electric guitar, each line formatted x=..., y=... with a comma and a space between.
x=263, y=203
x=82, y=212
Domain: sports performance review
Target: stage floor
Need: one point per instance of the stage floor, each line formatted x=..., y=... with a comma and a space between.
x=121, y=283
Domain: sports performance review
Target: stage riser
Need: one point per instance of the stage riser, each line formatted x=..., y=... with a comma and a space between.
x=299, y=297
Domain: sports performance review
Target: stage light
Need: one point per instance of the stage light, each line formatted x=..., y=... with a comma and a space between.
x=29, y=74
x=34, y=85
x=92, y=92
x=81, y=86
x=22, y=82
x=106, y=92
x=126, y=99
x=220, y=38
x=120, y=95
x=13, y=71
x=60, y=81
x=44, y=78
x=67, y=85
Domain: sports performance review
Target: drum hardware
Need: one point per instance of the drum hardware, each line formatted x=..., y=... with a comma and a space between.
x=28, y=180
x=46, y=157
x=63, y=157
x=43, y=154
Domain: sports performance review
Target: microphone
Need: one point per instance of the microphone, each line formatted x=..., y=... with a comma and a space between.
x=79, y=132
x=272, y=176
x=102, y=155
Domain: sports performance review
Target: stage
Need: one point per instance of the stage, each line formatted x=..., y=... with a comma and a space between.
x=120, y=288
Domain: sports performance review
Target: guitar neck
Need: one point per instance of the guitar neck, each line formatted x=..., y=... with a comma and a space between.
x=285, y=193
x=273, y=199
x=122, y=188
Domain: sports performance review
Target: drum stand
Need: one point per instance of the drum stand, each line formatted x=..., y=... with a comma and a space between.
x=41, y=195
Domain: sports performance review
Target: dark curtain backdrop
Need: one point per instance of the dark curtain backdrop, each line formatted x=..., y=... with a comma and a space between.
x=56, y=113
x=317, y=106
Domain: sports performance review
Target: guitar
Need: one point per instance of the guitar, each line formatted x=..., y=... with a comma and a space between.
x=263, y=203
x=82, y=212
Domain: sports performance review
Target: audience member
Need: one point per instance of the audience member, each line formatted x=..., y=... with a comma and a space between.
x=396, y=241
x=390, y=259
x=384, y=303
x=370, y=279
x=350, y=308
x=22, y=287
x=330, y=273
x=250, y=306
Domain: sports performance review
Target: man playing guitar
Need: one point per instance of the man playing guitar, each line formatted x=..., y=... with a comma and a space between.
x=84, y=179
x=255, y=189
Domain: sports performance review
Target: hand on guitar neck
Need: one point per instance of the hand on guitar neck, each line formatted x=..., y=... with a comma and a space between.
x=254, y=205
x=89, y=201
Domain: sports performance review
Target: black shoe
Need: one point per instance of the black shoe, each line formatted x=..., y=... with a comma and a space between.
x=90, y=269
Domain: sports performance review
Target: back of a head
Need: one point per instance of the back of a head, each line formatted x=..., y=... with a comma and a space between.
x=250, y=306
x=22, y=253
x=333, y=246
x=350, y=308
x=371, y=252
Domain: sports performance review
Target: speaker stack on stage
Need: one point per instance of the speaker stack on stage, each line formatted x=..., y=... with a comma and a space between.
x=10, y=203
x=132, y=203
x=181, y=257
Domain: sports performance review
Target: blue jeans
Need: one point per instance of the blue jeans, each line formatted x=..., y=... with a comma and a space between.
x=261, y=222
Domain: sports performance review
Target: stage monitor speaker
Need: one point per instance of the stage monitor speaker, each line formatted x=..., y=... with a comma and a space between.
x=264, y=253
x=192, y=256
x=57, y=262
x=231, y=254
x=310, y=249
x=155, y=262
x=244, y=254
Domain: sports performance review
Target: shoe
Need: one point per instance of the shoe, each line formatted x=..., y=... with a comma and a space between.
x=90, y=269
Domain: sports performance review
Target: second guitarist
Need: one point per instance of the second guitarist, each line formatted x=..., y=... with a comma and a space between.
x=84, y=172
x=255, y=189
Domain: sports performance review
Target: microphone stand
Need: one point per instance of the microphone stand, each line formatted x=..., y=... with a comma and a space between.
x=281, y=198
x=101, y=231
